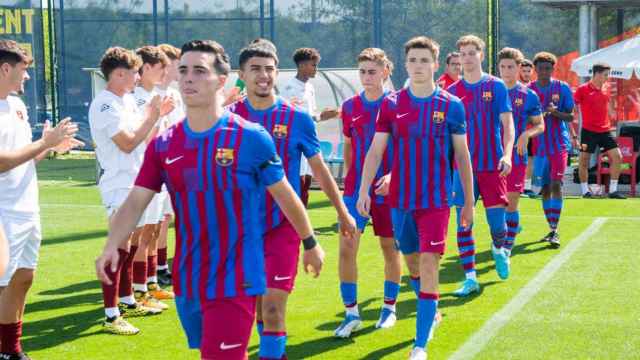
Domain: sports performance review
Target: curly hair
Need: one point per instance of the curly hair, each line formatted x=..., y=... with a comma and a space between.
x=117, y=57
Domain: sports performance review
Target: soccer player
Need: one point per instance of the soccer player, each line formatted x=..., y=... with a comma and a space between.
x=19, y=209
x=119, y=131
x=215, y=165
x=166, y=88
x=294, y=134
x=301, y=92
x=451, y=71
x=425, y=124
x=490, y=135
x=553, y=145
x=359, y=114
x=527, y=117
x=525, y=75
x=594, y=103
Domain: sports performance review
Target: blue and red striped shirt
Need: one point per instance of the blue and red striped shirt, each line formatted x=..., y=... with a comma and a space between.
x=555, y=138
x=421, y=130
x=483, y=101
x=525, y=104
x=294, y=133
x=359, y=124
x=215, y=180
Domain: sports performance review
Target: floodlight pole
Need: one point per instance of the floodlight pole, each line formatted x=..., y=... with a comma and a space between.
x=493, y=34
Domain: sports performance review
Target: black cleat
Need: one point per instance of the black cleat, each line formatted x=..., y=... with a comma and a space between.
x=555, y=240
x=164, y=278
x=616, y=195
x=587, y=195
x=548, y=236
x=18, y=356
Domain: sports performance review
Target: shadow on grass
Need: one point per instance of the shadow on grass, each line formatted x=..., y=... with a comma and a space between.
x=381, y=353
x=51, y=332
x=74, y=288
x=319, y=204
x=54, y=240
x=327, y=230
x=67, y=302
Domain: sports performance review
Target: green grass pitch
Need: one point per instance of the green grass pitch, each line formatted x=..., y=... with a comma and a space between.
x=589, y=309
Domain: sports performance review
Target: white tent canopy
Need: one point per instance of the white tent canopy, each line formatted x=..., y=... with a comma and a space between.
x=624, y=58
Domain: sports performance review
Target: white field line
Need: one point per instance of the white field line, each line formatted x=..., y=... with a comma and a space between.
x=481, y=338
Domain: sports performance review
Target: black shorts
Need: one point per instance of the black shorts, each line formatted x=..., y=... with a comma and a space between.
x=590, y=140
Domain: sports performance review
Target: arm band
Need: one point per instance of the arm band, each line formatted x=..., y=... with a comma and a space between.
x=309, y=242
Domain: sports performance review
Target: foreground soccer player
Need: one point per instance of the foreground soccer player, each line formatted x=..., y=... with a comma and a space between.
x=19, y=209
x=553, y=145
x=294, y=134
x=359, y=115
x=215, y=165
x=119, y=132
x=527, y=117
x=425, y=124
x=490, y=134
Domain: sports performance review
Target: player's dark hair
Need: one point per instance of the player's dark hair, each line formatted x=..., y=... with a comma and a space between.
x=423, y=42
x=117, y=57
x=305, y=54
x=220, y=58
x=512, y=54
x=544, y=56
x=152, y=55
x=526, y=63
x=256, y=50
x=12, y=53
x=600, y=67
x=471, y=40
x=452, y=55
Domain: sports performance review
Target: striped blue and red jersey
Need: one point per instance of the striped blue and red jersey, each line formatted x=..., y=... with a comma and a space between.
x=359, y=117
x=422, y=131
x=483, y=101
x=525, y=104
x=294, y=133
x=215, y=180
x=555, y=138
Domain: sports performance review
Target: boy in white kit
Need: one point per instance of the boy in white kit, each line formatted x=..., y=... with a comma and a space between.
x=19, y=209
x=119, y=131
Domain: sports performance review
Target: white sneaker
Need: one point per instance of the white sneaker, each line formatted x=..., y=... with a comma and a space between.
x=387, y=319
x=418, y=353
x=350, y=324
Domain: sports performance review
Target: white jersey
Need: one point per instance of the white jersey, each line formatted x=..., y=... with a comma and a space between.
x=178, y=114
x=18, y=186
x=110, y=114
x=306, y=93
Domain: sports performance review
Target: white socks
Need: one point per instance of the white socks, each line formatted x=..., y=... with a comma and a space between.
x=585, y=187
x=613, y=186
x=527, y=184
x=471, y=275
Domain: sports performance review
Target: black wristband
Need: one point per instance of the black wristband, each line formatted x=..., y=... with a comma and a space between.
x=309, y=242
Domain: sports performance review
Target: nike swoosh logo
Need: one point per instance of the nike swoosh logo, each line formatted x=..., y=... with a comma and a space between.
x=437, y=243
x=224, y=346
x=171, y=161
x=356, y=118
x=403, y=115
x=281, y=278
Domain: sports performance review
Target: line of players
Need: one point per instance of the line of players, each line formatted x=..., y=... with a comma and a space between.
x=216, y=165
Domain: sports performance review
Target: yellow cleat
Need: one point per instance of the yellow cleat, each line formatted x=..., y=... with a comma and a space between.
x=146, y=300
x=120, y=326
x=136, y=310
x=159, y=293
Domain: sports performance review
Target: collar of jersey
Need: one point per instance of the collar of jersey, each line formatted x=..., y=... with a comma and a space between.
x=484, y=77
x=270, y=108
x=203, y=134
x=544, y=87
x=423, y=99
x=374, y=102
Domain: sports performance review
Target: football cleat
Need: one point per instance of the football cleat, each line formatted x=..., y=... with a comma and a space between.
x=468, y=287
x=136, y=310
x=387, y=318
x=120, y=326
x=159, y=293
x=350, y=324
x=502, y=262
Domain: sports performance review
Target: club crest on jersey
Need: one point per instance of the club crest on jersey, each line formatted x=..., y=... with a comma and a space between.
x=487, y=96
x=555, y=98
x=280, y=131
x=519, y=102
x=20, y=115
x=438, y=117
x=141, y=102
x=224, y=156
x=104, y=107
